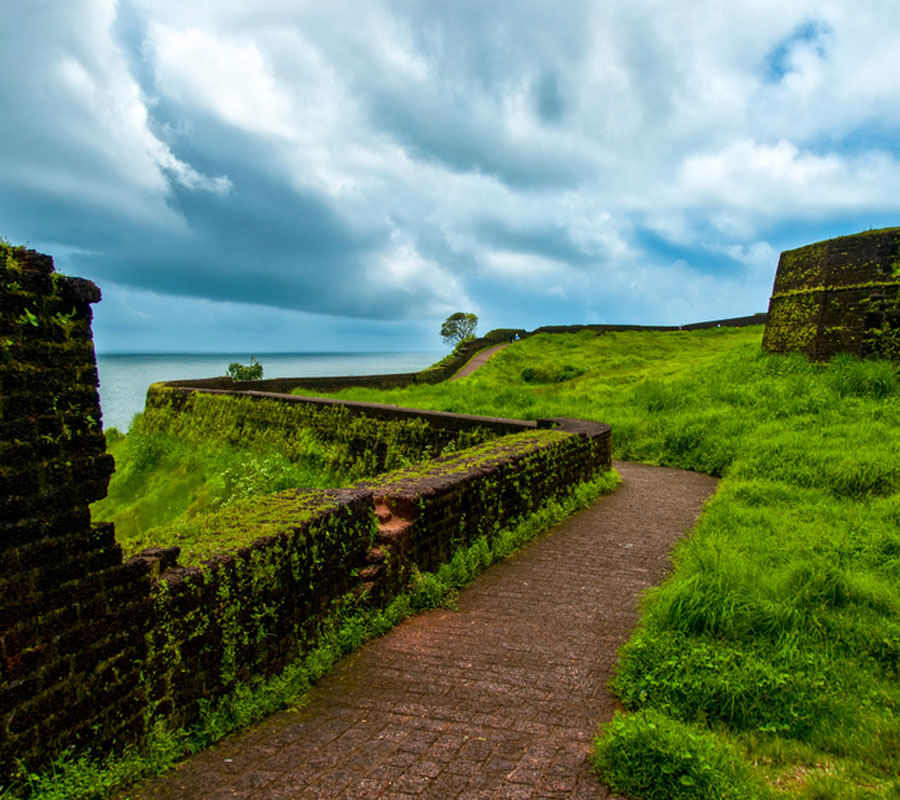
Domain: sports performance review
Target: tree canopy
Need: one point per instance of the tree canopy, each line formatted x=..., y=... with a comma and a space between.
x=458, y=328
x=245, y=372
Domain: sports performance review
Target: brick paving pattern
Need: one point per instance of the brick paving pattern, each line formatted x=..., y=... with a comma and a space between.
x=477, y=361
x=497, y=698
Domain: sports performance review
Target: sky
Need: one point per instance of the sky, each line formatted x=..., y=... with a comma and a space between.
x=284, y=175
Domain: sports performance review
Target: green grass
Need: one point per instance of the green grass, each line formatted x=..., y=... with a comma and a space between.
x=164, y=484
x=776, y=640
x=241, y=522
x=652, y=756
x=179, y=465
x=779, y=631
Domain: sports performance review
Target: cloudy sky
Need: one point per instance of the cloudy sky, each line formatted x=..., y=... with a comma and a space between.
x=292, y=175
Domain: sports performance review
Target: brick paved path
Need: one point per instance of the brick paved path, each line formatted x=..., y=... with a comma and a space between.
x=477, y=361
x=498, y=698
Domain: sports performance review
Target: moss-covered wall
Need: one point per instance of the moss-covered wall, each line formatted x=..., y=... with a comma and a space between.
x=68, y=660
x=94, y=649
x=252, y=608
x=427, y=511
x=362, y=438
x=840, y=295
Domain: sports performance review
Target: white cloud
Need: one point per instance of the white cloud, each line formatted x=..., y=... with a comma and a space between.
x=521, y=267
x=403, y=275
x=759, y=182
x=226, y=76
x=83, y=131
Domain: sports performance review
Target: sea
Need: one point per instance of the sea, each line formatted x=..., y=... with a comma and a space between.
x=124, y=377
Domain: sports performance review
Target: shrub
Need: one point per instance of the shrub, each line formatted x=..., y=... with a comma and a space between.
x=550, y=374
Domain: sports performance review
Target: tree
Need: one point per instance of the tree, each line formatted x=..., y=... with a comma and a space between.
x=243, y=372
x=458, y=328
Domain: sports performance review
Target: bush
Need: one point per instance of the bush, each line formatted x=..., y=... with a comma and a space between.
x=245, y=372
x=550, y=374
x=650, y=756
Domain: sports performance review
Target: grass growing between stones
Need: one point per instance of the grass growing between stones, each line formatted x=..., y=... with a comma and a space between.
x=777, y=637
x=84, y=778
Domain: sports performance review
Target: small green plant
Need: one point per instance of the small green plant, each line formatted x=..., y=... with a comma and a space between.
x=65, y=320
x=245, y=372
x=28, y=318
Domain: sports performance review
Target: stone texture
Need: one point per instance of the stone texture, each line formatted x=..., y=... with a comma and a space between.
x=840, y=295
x=91, y=646
x=67, y=657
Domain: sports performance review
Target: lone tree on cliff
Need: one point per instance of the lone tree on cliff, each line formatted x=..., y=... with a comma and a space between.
x=458, y=328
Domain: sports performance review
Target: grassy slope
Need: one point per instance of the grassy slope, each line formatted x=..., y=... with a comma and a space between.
x=162, y=481
x=779, y=632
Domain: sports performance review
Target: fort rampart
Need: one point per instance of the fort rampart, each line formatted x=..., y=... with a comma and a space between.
x=840, y=295
x=448, y=367
x=95, y=648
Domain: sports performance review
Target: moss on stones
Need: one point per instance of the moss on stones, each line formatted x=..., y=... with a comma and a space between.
x=839, y=295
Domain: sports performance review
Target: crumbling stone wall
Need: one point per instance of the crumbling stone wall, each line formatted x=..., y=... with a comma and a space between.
x=840, y=295
x=69, y=662
x=428, y=511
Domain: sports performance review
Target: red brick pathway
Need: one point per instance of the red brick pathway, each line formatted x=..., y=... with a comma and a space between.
x=477, y=361
x=498, y=698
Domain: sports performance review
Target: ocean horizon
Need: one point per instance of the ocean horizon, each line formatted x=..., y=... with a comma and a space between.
x=124, y=377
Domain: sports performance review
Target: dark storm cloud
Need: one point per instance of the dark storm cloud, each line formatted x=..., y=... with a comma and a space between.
x=547, y=241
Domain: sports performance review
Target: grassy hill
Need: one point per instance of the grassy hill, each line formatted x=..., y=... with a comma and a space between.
x=767, y=664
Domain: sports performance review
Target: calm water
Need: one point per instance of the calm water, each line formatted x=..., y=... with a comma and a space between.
x=124, y=378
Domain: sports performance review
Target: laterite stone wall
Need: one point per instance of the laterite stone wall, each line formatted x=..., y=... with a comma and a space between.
x=68, y=660
x=364, y=438
x=840, y=295
x=252, y=611
x=453, y=500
